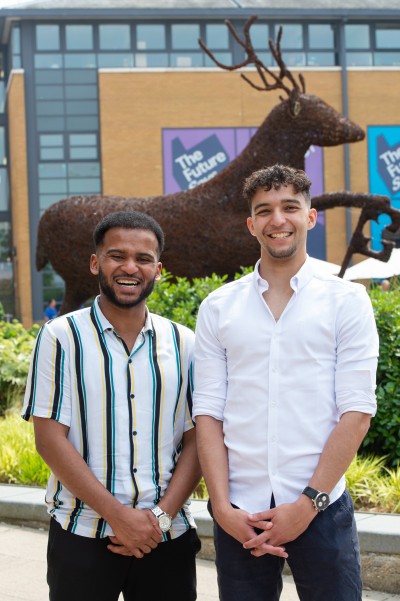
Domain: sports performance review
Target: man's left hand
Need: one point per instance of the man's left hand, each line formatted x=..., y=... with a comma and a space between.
x=288, y=522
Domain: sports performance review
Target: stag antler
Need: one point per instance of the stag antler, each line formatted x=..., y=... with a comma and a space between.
x=262, y=69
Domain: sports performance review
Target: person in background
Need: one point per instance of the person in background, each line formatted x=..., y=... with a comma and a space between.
x=51, y=310
x=285, y=373
x=385, y=285
x=110, y=395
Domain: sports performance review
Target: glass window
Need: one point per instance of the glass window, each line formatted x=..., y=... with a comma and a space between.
x=217, y=36
x=185, y=37
x=47, y=37
x=84, y=186
x=151, y=60
x=82, y=107
x=82, y=139
x=83, y=152
x=4, y=198
x=292, y=36
x=223, y=57
x=52, y=154
x=387, y=59
x=84, y=92
x=83, y=170
x=321, y=36
x=115, y=37
x=79, y=76
x=150, y=37
x=51, y=170
x=16, y=61
x=5, y=240
x=50, y=123
x=294, y=59
x=186, y=60
x=387, y=36
x=3, y=155
x=16, y=40
x=259, y=35
x=49, y=92
x=79, y=37
x=320, y=59
x=49, y=77
x=48, y=61
x=359, y=59
x=53, y=186
x=115, y=60
x=51, y=140
x=357, y=37
x=80, y=61
x=82, y=123
x=44, y=107
x=51, y=147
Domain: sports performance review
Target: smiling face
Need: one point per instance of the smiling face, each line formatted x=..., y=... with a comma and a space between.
x=127, y=266
x=280, y=220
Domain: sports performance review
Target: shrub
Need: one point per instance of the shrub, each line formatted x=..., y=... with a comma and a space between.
x=16, y=344
x=382, y=438
x=19, y=461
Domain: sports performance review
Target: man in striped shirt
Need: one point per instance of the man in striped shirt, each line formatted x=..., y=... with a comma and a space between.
x=109, y=393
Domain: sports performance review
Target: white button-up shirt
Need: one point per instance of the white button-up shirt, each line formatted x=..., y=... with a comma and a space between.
x=280, y=387
x=126, y=411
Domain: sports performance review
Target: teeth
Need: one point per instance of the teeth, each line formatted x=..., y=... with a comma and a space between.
x=127, y=282
x=280, y=235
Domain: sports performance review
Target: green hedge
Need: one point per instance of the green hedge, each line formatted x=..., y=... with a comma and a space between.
x=179, y=300
x=383, y=435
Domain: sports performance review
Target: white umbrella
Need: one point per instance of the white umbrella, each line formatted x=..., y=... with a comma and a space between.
x=372, y=268
x=326, y=266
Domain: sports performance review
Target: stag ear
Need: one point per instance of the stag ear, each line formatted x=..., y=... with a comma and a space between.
x=294, y=102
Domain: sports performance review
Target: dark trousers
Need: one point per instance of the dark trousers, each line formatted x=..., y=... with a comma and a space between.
x=324, y=560
x=83, y=569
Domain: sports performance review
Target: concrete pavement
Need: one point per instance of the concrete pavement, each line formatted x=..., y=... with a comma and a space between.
x=23, y=548
x=23, y=570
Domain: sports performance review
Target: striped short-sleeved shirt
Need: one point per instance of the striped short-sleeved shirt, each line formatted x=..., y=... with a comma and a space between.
x=126, y=412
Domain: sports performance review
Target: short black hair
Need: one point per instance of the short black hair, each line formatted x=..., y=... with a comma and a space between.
x=277, y=176
x=130, y=220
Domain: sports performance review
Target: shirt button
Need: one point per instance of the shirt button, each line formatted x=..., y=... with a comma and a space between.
x=134, y=433
x=130, y=361
x=134, y=470
x=132, y=396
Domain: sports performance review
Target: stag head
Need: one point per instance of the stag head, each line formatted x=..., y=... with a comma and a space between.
x=310, y=119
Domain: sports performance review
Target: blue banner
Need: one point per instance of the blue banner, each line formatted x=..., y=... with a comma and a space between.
x=384, y=171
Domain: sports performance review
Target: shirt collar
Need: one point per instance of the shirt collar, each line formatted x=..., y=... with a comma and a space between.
x=297, y=282
x=105, y=325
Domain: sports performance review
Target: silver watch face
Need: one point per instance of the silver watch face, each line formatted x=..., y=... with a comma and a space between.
x=321, y=501
x=164, y=521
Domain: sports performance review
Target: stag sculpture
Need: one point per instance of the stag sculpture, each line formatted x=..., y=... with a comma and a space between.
x=205, y=227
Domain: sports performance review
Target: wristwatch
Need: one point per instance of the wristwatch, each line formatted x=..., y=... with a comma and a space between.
x=164, y=519
x=320, y=499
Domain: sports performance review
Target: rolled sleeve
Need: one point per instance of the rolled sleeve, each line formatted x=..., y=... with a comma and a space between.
x=210, y=367
x=357, y=356
x=47, y=392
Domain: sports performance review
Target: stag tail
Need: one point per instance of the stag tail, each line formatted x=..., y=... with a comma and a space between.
x=275, y=82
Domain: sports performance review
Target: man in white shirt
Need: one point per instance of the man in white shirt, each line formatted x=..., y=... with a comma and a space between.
x=285, y=388
x=109, y=392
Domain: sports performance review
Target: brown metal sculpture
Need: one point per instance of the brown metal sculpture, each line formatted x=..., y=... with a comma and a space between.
x=206, y=227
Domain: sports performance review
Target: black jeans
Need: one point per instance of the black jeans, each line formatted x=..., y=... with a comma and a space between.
x=324, y=560
x=83, y=569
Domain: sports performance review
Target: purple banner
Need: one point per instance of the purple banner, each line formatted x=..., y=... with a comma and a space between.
x=194, y=156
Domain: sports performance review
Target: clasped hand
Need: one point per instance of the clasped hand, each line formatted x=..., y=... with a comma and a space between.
x=279, y=525
x=135, y=534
